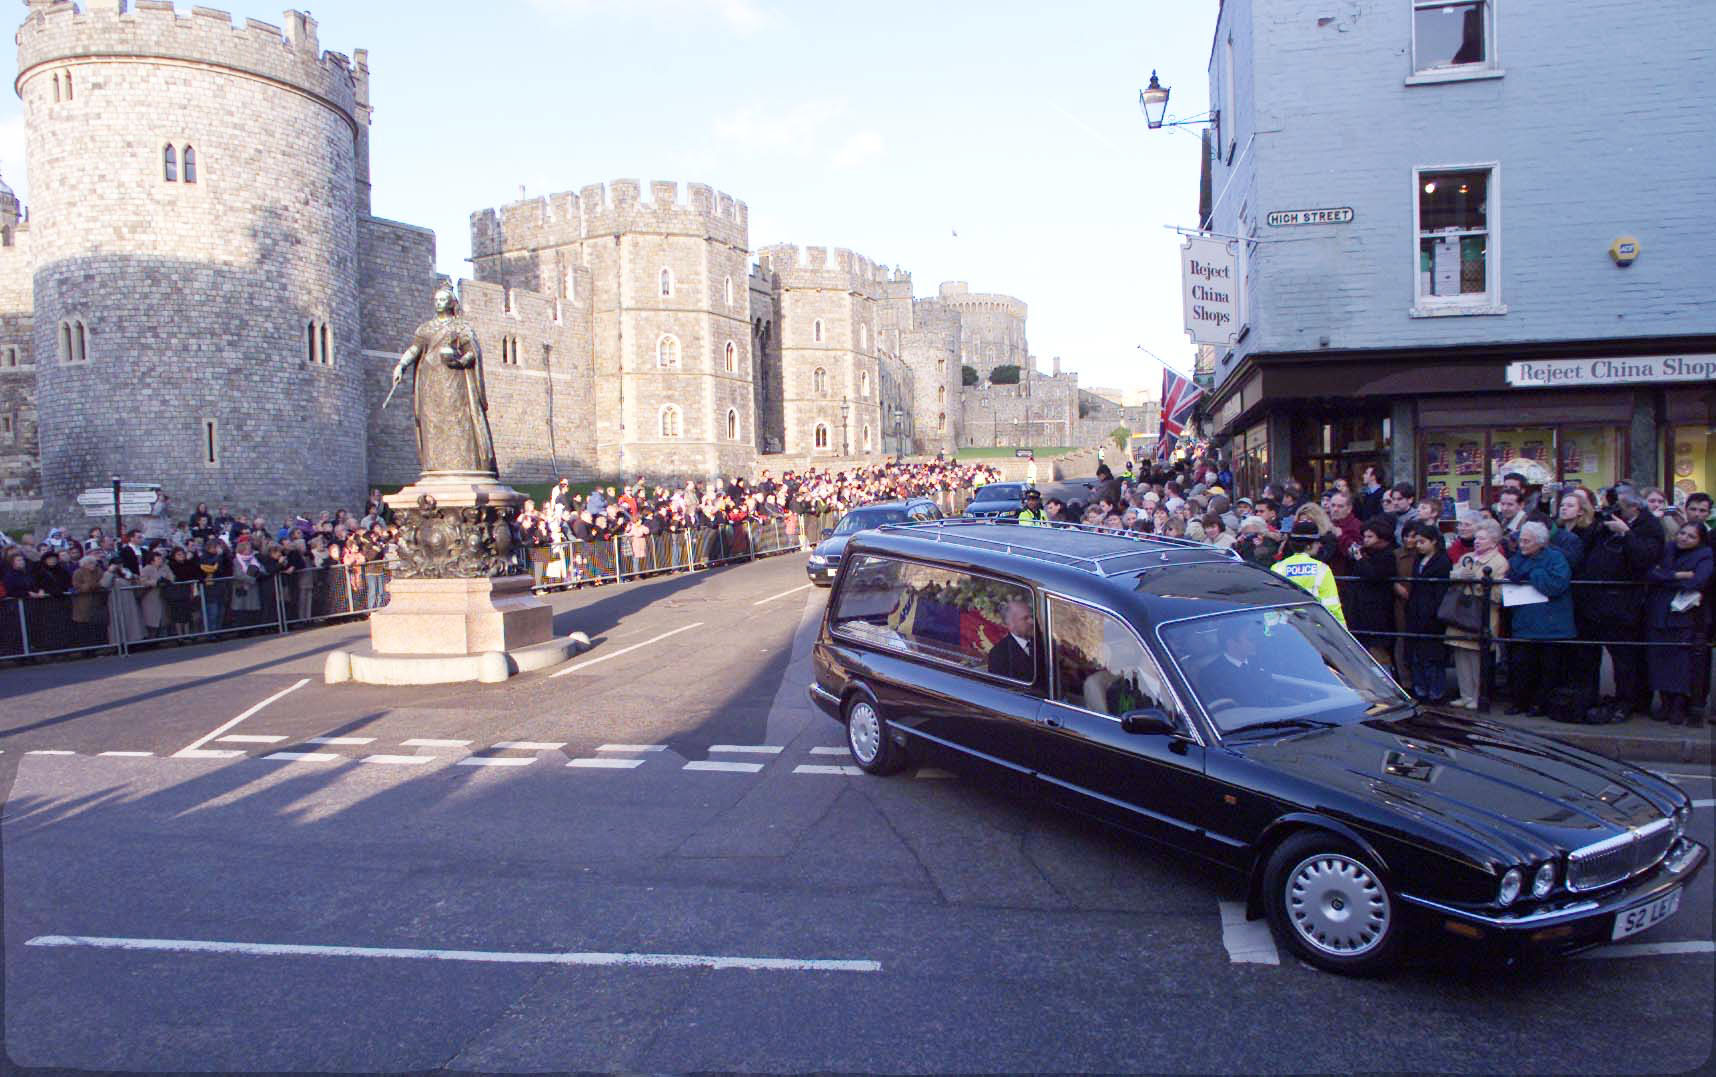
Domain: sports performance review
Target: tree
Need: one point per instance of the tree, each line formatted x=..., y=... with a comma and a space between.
x=1119, y=436
x=1005, y=374
x=968, y=375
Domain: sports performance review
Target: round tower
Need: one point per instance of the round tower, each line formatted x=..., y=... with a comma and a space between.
x=194, y=233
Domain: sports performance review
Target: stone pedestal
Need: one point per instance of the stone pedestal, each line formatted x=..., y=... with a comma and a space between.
x=494, y=613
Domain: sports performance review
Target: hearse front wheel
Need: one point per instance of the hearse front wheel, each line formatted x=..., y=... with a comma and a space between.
x=869, y=739
x=1330, y=906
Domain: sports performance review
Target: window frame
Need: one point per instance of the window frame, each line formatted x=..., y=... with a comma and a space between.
x=1186, y=714
x=727, y=291
x=864, y=384
x=210, y=430
x=170, y=163
x=661, y=424
x=1488, y=68
x=834, y=628
x=188, y=164
x=678, y=362
x=733, y=430
x=819, y=437
x=819, y=381
x=1490, y=300
x=816, y=332
x=731, y=357
x=664, y=283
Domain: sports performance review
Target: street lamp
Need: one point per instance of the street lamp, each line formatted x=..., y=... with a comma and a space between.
x=845, y=428
x=1153, y=99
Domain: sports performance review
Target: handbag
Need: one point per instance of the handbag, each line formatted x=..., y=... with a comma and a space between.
x=1460, y=610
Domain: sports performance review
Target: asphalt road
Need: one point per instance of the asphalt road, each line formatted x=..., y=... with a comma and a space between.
x=657, y=862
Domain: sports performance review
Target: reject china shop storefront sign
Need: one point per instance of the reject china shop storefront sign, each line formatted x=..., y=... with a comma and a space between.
x=1209, y=274
x=1538, y=374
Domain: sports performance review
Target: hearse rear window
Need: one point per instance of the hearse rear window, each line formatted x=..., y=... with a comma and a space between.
x=938, y=613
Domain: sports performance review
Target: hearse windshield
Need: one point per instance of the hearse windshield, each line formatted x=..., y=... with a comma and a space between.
x=866, y=519
x=1279, y=669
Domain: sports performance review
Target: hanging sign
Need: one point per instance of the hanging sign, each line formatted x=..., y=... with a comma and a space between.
x=1210, y=277
x=1286, y=218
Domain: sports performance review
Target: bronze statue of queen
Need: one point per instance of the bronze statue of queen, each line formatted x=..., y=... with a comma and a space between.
x=450, y=403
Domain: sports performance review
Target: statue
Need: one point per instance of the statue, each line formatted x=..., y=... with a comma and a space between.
x=451, y=405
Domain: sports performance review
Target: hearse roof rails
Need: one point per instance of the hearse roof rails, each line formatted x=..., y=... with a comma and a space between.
x=958, y=531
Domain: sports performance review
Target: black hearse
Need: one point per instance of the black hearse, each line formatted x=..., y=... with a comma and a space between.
x=1167, y=687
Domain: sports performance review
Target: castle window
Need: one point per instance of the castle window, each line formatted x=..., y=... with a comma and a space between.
x=6, y=425
x=68, y=86
x=506, y=300
x=941, y=422
x=732, y=425
x=866, y=437
x=864, y=384
x=821, y=436
x=56, y=89
x=732, y=358
x=11, y=357
x=816, y=331
x=568, y=285
x=310, y=338
x=667, y=352
x=670, y=421
x=74, y=342
x=728, y=288
x=318, y=343
x=170, y=164
x=666, y=287
x=941, y=366
x=819, y=382
x=190, y=165
x=863, y=338
x=211, y=443
x=327, y=346
x=940, y=396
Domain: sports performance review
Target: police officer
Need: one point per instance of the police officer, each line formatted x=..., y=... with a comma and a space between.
x=1308, y=572
x=1032, y=512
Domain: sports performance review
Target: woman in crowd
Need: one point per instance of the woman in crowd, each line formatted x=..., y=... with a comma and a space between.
x=1369, y=600
x=1672, y=614
x=1426, y=657
x=1464, y=521
x=151, y=596
x=1470, y=570
x=1535, y=665
x=182, y=594
x=89, y=603
x=247, y=573
x=1575, y=524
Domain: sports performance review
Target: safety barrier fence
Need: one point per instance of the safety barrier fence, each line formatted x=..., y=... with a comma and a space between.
x=130, y=616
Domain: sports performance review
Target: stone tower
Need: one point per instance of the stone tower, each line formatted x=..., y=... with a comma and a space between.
x=669, y=315
x=992, y=330
x=197, y=188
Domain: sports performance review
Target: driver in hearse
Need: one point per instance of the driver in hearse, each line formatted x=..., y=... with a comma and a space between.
x=1235, y=674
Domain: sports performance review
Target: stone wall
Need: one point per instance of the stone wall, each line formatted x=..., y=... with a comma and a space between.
x=991, y=329
x=396, y=285
x=20, y=458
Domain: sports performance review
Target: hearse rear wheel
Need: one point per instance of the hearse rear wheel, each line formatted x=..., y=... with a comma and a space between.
x=1330, y=906
x=869, y=738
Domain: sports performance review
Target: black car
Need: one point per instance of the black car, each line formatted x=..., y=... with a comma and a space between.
x=824, y=563
x=997, y=499
x=1167, y=687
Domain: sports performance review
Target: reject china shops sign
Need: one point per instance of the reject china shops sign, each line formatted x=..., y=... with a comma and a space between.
x=1552, y=372
x=1210, y=273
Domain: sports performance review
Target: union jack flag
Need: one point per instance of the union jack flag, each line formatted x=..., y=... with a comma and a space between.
x=1180, y=397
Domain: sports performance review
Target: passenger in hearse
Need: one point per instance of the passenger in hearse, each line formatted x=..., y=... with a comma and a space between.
x=1011, y=656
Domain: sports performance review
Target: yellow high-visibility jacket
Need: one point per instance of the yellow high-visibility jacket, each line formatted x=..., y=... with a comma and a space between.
x=1313, y=576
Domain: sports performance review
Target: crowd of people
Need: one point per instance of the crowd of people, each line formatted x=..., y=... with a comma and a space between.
x=216, y=571
x=1560, y=575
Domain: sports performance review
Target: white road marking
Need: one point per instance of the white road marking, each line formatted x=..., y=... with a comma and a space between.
x=624, y=650
x=251, y=738
x=495, y=761
x=340, y=740
x=754, y=749
x=722, y=764
x=199, y=742
x=208, y=753
x=530, y=745
x=419, y=742
x=129, y=755
x=1704, y=803
x=50, y=751
x=632, y=748
x=398, y=760
x=606, y=763
x=932, y=772
x=1651, y=949
x=1248, y=942
x=268, y=949
x=303, y=757
x=783, y=594
x=831, y=751
x=814, y=768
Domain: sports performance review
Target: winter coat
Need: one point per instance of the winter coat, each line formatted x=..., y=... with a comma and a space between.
x=1547, y=571
x=1369, y=603
x=1664, y=587
x=1625, y=557
x=1423, y=601
x=1471, y=567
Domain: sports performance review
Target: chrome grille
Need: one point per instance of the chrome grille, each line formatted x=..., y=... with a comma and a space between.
x=1613, y=859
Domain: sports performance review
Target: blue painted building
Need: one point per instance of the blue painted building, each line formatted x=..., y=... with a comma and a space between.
x=1518, y=271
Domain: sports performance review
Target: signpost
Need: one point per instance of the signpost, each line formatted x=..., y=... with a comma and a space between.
x=1290, y=218
x=1210, y=278
x=1537, y=373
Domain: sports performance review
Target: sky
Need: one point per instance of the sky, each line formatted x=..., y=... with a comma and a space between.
x=998, y=142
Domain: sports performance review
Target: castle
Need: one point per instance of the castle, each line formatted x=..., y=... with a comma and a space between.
x=202, y=299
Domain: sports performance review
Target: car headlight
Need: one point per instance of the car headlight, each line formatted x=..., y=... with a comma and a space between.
x=1544, y=881
x=1510, y=885
x=818, y=559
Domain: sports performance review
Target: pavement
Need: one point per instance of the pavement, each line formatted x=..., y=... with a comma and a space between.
x=1640, y=740
x=661, y=859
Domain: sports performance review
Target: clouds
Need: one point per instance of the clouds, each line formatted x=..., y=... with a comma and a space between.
x=822, y=128
x=740, y=16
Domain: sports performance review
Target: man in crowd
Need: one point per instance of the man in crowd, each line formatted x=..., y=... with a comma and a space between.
x=1349, y=532
x=1625, y=545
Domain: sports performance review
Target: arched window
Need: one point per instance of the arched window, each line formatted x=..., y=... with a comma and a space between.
x=69, y=94
x=670, y=421
x=666, y=283
x=56, y=88
x=170, y=164
x=732, y=357
x=66, y=342
x=190, y=164
x=941, y=422
x=819, y=382
x=821, y=436
x=569, y=285
x=732, y=425
x=727, y=287
x=866, y=437
x=327, y=346
x=11, y=357
x=941, y=366
x=864, y=384
x=82, y=352
x=310, y=341
x=940, y=395
x=816, y=331
x=863, y=338
x=667, y=352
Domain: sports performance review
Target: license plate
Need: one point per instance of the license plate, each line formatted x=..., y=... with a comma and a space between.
x=1634, y=920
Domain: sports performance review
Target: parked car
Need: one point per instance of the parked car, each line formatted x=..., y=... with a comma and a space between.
x=996, y=499
x=1168, y=688
x=824, y=563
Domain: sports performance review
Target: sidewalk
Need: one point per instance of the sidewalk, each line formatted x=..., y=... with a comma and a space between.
x=1638, y=741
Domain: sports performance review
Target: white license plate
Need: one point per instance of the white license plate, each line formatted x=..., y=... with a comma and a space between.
x=1634, y=920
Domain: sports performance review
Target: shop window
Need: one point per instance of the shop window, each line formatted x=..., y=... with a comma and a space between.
x=1452, y=36
x=1457, y=241
x=1465, y=467
x=1691, y=460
